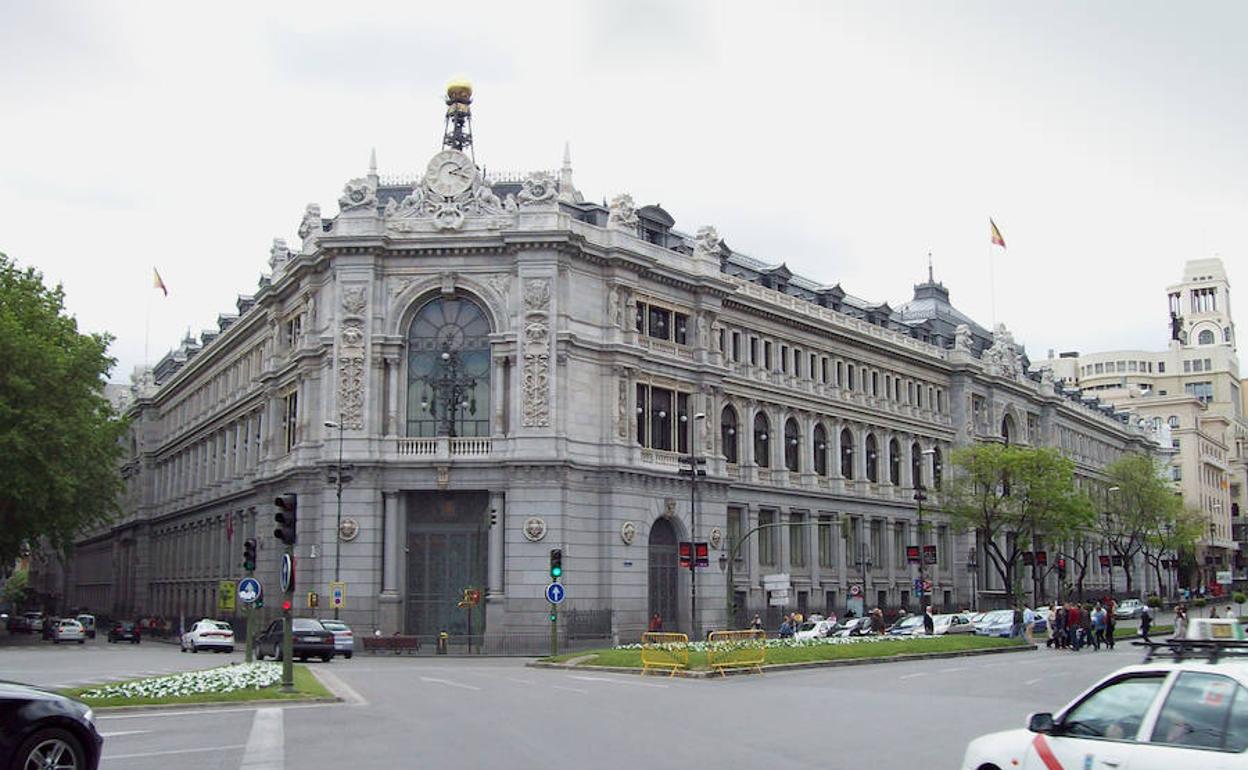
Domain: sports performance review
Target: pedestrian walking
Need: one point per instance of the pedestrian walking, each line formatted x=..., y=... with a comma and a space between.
x=1180, y=622
x=1098, y=627
x=1146, y=621
x=1059, y=627
x=1230, y=614
x=1029, y=625
x=929, y=623
x=1017, y=629
x=656, y=622
x=877, y=621
x=1085, y=625
x=1050, y=623
x=756, y=623
x=1111, y=622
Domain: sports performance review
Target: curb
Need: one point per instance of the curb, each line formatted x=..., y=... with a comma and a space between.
x=209, y=705
x=783, y=667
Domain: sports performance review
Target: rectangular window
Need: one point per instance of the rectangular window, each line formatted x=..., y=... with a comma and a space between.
x=797, y=539
x=840, y=373
x=814, y=368
x=878, y=546
x=736, y=529
x=944, y=547
x=736, y=347
x=1187, y=366
x=900, y=542
x=682, y=329
x=784, y=358
x=1201, y=390
x=684, y=423
x=823, y=370
x=827, y=552
x=1161, y=367
x=1133, y=366
x=875, y=383
x=643, y=409
x=767, y=538
x=661, y=418
x=639, y=318
x=1099, y=368
x=849, y=376
x=659, y=323
x=290, y=423
x=767, y=355
x=753, y=351
x=918, y=396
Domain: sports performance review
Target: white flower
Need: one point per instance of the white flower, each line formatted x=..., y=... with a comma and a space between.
x=226, y=679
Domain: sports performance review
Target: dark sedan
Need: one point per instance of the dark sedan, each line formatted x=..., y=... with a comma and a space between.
x=310, y=640
x=40, y=729
x=124, y=631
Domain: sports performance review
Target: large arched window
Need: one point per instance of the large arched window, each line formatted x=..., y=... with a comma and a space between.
x=762, y=457
x=847, y=453
x=894, y=462
x=448, y=369
x=820, y=450
x=1007, y=428
x=1205, y=337
x=791, y=444
x=873, y=460
x=916, y=465
x=728, y=433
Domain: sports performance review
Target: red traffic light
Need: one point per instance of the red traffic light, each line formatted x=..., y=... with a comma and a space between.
x=286, y=605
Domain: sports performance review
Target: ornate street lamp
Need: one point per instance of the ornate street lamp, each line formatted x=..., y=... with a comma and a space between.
x=448, y=391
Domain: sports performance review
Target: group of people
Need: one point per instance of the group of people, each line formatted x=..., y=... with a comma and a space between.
x=1073, y=626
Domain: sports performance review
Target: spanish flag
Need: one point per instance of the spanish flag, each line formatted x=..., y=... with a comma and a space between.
x=996, y=234
x=159, y=284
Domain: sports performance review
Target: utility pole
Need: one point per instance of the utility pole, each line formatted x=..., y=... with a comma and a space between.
x=694, y=471
x=338, y=482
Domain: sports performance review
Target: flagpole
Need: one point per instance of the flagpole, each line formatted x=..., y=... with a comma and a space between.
x=992, y=285
x=147, y=329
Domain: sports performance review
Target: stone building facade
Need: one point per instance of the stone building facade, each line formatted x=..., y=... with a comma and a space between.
x=511, y=368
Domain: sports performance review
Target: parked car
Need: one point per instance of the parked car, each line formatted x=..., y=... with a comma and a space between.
x=813, y=629
x=996, y=623
x=41, y=729
x=344, y=638
x=1176, y=710
x=34, y=623
x=68, y=630
x=48, y=630
x=88, y=624
x=952, y=623
x=208, y=634
x=910, y=625
x=310, y=639
x=853, y=627
x=124, y=631
x=1128, y=609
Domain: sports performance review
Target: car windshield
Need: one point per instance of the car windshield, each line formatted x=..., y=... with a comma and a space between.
x=999, y=616
x=221, y=626
x=806, y=626
x=307, y=624
x=910, y=622
x=334, y=625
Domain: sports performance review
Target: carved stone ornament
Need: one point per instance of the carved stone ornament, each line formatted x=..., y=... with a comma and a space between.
x=310, y=227
x=628, y=532
x=707, y=243
x=613, y=307
x=500, y=284
x=450, y=194
x=534, y=529
x=352, y=334
x=1002, y=359
x=1046, y=376
x=538, y=190
x=348, y=530
x=962, y=338
x=355, y=299
x=669, y=507
x=279, y=253
x=623, y=214
x=351, y=391
x=359, y=193
x=717, y=537
x=536, y=351
x=621, y=414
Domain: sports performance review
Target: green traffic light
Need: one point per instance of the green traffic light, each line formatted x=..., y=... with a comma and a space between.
x=552, y=617
x=556, y=571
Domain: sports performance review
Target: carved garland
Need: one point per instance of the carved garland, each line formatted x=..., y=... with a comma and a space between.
x=536, y=342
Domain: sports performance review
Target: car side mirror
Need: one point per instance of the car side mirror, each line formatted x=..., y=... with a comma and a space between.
x=1040, y=723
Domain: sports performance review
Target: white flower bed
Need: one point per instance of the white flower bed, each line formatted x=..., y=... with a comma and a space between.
x=226, y=679
x=789, y=642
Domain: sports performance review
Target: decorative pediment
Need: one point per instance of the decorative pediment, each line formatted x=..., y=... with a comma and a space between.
x=451, y=196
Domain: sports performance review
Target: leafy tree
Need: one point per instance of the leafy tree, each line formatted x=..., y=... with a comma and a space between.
x=15, y=588
x=1171, y=532
x=1138, y=504
x=1014, y=497
x=59, y=437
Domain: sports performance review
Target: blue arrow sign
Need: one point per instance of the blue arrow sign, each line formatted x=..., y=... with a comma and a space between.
x=555, y=593
x=249, y=590
x=287, y=574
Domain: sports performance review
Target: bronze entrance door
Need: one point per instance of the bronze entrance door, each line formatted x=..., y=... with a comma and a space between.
x=446, y=553
x=663, y=573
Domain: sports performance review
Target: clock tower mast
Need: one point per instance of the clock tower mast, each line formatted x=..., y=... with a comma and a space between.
x=458, y=131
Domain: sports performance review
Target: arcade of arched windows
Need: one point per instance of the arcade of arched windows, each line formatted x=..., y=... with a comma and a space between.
x=752, y=435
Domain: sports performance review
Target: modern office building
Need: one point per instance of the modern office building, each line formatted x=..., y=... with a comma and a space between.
x=509, y=368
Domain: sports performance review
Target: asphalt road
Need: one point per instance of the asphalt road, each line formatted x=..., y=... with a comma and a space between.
x=496, y=713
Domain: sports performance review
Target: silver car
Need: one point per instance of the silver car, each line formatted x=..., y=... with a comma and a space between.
x=344, y=638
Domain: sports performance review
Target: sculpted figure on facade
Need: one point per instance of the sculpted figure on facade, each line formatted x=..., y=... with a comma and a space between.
x=279, y=254
x=354, y=299
x=963, y=340
x=450, y=193
x=310, y=227
x=623, y=214
x=707, y=242
x=536, y=345
x=538, y=190
x=1002, y=358
x=500, y=284
x=703, y=327
x=359, y=193
x=613, y=307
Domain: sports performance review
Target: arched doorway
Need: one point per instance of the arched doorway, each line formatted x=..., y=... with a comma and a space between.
x=664, y=569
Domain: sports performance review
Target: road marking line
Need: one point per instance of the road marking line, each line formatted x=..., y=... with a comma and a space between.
x=449, y=683
x=1030, y=682
x=266, y=746
x=113, y=757
x=210, y=711
x=571, y=689
x=617, y=681
x=341, y=688
x=124, y=732
x=520, y=681
x=912, y=676
x=951, y=670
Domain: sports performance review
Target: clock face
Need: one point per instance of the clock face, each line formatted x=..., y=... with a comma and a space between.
x=450, y=173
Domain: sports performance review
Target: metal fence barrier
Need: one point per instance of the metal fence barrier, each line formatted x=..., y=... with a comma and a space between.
x=736, y=649
x=665, y=651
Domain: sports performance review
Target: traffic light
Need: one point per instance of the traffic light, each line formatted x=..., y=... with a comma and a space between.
x=249, y=554
x=286, y=518
x=556, y=563
x=314, y=600
x=286, y=605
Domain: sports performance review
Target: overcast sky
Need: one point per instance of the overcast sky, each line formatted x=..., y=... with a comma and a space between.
x=847, y=140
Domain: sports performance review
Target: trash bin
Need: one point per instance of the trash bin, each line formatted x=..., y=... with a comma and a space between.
x=442, y=640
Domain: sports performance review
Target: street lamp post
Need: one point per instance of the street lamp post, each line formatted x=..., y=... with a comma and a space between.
x=694, y=471
x=338, y=471
x=920, y=497
x=452, y=391
x=972, y=566
x=1111, y=548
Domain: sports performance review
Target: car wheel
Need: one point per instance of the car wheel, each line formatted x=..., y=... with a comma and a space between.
x=56, y=641
x=326, y=658
x=347, y=656
x=82, y=641
x=194, y=649
x=258, y=653
x=303, y=658
x=52, y=748
x=229, y=650
x=134, y=641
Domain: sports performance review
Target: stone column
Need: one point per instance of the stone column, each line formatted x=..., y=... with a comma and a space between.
x=784, y=562
x=392, y=546
x=392, y=395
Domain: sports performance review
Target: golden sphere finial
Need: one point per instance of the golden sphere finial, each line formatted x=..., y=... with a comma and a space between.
x=459, y=90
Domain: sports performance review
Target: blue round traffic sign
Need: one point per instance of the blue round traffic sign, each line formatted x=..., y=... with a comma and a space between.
x=287, y=574
x=249, y=590
x=555, y=593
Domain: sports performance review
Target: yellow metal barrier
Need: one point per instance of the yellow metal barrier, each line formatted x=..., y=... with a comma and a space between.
x=664, y=651
x=736, y=649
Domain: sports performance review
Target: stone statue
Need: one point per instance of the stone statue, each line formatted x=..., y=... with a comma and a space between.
x=707, y=242
x=613, y=307
x=310, y=227
x=623, y=215
x=538, y=189
x=963, y=340
x=1002, y=358
x=358, y=194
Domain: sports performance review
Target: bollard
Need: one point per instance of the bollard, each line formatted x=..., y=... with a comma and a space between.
x=442, y=638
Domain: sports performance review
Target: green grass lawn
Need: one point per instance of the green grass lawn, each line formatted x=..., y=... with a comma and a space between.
x=1128, y=632
x=631, y=658
x=306, y=686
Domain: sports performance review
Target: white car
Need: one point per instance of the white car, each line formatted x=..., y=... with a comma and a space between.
x=952, y=623
x=1128, y=608
x=215, y=635
x=816, y=629
x=344, y=638
x=1161, y=715
x=68, y=630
